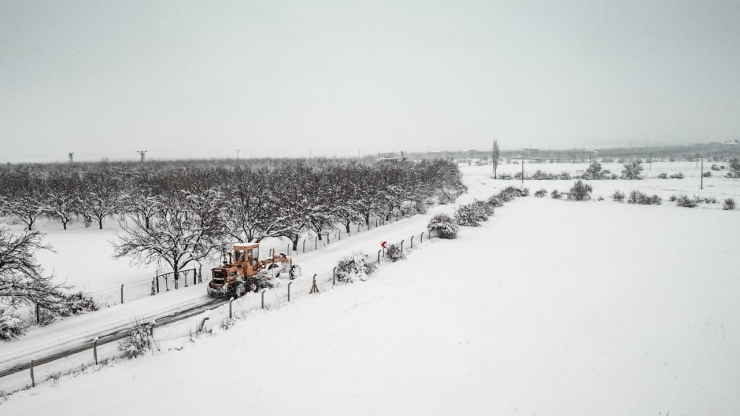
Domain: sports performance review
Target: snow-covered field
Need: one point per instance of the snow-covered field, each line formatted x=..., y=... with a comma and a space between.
x=551, y=307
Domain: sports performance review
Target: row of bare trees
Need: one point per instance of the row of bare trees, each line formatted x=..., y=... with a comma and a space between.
x=180, y=213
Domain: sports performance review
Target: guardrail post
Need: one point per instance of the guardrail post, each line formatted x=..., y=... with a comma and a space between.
x=151, y=328
x=412, y=241
x=195, y=275
x=203, y=323
x=334, y=277
x=185, y=277
x=263, y=298
x=402, y=245
x=230, y=302
x=379, y=255
x=121, y=294
x=157, y=277
x=95, y=350
x=289, y=290
x=421, y=237
x=304, y=246
x=33, y=382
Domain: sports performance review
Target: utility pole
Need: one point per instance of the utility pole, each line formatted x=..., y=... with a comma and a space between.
x=702, y=172
x=142, y=153
x=522, y=171
x=237, y=153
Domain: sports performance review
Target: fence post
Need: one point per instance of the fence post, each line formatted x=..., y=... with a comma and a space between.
x=185, y=277
x=203, y=323
x=157, y=277
x=304, y=246
x=200, y=273
x=358, y=227
x=412, y=241
x=263, y=298
x=316, y=243
x=38, y=316
x=121, y=294
x=289, y=290
x=230, y=301
x=421, y=237
x=402, y=245
x=314, y=288
x=95, y=350
x=379, y=255
x=429, y=234
x=154, y=289
x=195, y=276
x=327, y=238
x=151, y=328
x=334, y=277
x=33, y=382
x=340, y=235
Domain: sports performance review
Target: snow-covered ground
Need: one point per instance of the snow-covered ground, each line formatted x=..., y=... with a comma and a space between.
x=551, y=307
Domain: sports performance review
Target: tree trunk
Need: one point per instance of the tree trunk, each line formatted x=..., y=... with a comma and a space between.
x=347, y=226
x=295, y=242
x=100, y=223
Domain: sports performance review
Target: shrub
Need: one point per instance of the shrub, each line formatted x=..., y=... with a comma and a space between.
x=662, y=175
x=11, y=326
x=394, y=253
x=556, y=195
x=443, y=226
x=637, y=197
x=356, y=266
x=673, y=198
x=495, y=201
x=505, y=176
x=715, y=167
x=485, y=208
x=685, y=201
x=618, y=196
x=467, y=215
x=729, y=204
x=707, y=174
x=678, y=175
x=735, y=167
x=541, y=193
x=600, y=198
x=77, y=303
x=136, y=342
x=524, y=192
x=580, y=191
x=632, y=170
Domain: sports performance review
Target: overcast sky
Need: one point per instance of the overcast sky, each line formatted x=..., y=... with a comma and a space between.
x=200, y=79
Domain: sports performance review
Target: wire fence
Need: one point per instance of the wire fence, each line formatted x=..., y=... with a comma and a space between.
x=94, y=354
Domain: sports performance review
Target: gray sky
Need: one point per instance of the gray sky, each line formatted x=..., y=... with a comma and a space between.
x=200, y=79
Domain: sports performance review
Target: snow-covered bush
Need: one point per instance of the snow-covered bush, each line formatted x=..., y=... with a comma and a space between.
x=467, y=215
x=443, y=226
x=556, y=194
x=729, y=204
x=495, y=201
x=715, y=167
x=707, y=174
x=618, y=196
x=662, y=175
x=11, y=326
x=678, y=175
x=136, y=342
x=580, y=191
x=524, y=192
x=505, y=176
x=637, y=197
x=77, y=303
x=484, y=207
x=394, y=253
x=541, y=193
x=685, y=201
x=632, y=170
x=357, y=266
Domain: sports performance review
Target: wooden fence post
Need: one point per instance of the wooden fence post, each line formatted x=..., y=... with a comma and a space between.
x=334, y=277
x=402, y=245
x=38, y=315
x=154, y=288
x=157, y=277
x=151, y=328
x=358, y=227
x=200, y=273
x=379, y=255
x=263, y=298
x=33, y=382
x=95, y=350
x=230, y=302
x=421, y=238
x=412, y=241
x=316, y=243
x=340, y=235
x=121, y=294
x=304, y=246
x=290, y=283
x=185, y=277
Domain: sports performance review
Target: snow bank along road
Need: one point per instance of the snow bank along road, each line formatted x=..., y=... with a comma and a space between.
x=77, y=330
x=551, y=307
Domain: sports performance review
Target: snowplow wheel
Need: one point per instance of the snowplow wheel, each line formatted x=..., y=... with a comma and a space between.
x=240, y=291
x=295, y=271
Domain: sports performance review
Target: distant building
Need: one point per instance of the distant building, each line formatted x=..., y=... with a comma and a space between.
x=389, y=158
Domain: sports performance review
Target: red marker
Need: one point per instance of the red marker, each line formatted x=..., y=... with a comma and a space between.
x=383, y=244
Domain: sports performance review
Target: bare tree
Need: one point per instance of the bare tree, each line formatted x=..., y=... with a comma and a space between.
x=494, y=157
x=22, y=281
